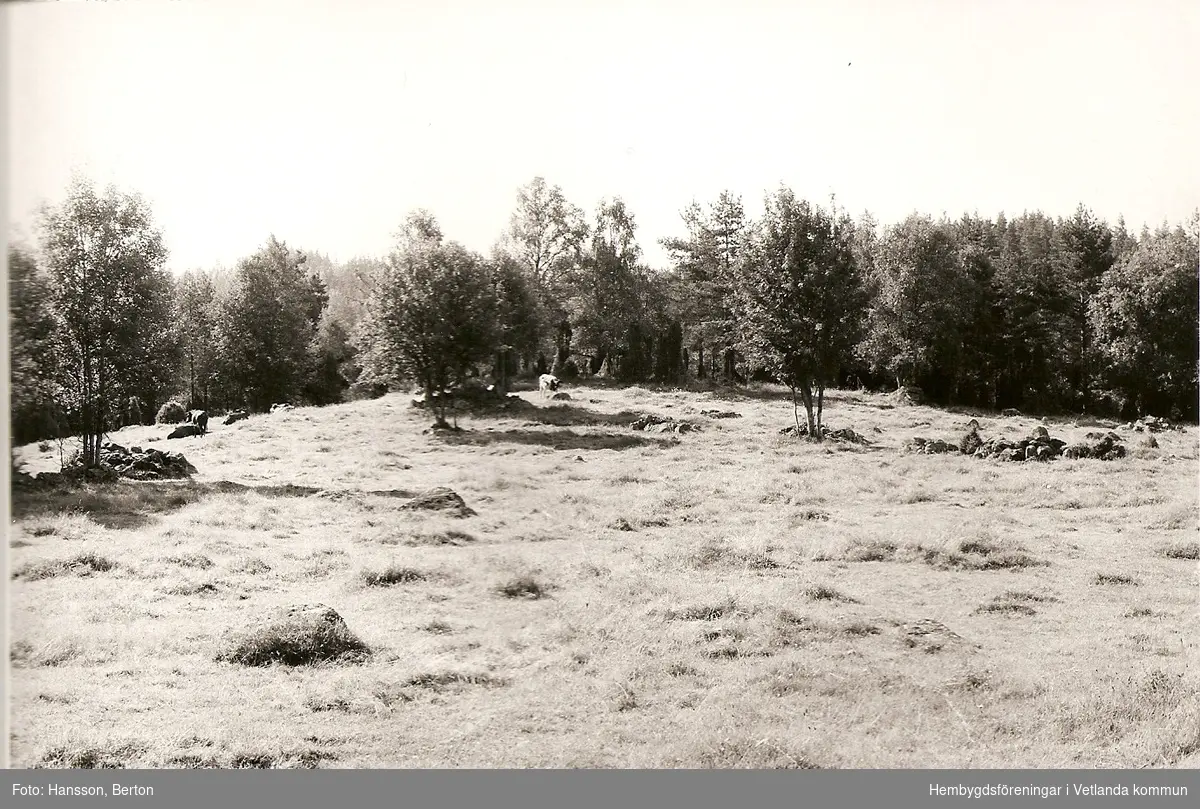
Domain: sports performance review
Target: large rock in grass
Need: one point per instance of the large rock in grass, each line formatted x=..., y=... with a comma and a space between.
x=236, y=416
x=294, y=636
x=930, y=636
x=440, y=499
x=186, y=431
x=971, y=442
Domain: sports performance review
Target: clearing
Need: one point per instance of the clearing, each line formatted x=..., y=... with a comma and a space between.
x=730, y=597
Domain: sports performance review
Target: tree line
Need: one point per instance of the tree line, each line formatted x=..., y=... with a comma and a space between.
x=1047, y=314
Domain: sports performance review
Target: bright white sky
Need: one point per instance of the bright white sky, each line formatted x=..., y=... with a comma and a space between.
x=325, y=122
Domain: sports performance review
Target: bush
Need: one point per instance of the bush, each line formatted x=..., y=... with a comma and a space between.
x=172, y=412
x=366, y=390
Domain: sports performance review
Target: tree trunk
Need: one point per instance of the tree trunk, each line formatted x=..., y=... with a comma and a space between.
x=820, y=407
x=795, y=409
x=700, y=362
x=807, y=397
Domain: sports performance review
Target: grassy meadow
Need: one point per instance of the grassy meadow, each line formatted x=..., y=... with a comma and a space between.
x=726, y=598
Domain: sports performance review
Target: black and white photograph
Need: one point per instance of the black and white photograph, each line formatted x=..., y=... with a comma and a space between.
x=587, y=385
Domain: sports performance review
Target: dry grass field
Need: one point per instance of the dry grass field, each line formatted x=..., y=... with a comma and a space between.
x=727, y=598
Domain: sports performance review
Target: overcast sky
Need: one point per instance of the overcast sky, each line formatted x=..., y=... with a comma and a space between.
x=325, y=122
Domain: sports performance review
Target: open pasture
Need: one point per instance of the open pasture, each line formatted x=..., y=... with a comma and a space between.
x=730, y=597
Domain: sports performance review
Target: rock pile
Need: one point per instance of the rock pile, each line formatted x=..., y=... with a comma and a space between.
x=1037, y=447
x=720, y=414
x=1103, y=446
x=661, y=424
x=842, y=434
x=925, y=446
x=1152, y=424
x=145, y=464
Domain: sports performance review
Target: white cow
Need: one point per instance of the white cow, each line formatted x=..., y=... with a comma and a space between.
x=547, y=384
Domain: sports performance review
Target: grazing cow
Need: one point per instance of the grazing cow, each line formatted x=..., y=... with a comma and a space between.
x=199, y=418
x=547, y=384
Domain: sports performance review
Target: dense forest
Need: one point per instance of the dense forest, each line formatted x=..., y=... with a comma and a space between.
x=1047, y=314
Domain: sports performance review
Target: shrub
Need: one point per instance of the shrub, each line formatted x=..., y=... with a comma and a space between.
x=523, y=587
x=173, y=412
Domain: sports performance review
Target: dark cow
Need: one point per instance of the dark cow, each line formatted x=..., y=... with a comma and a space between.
x=199, y=418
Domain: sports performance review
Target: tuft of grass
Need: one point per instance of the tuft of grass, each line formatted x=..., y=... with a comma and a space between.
x=196, y=560
x=55, y=651
x=116, y=757
x=449, y=536
x=1005, y=608
x=712, y=554
x=438, y=681
x=82, y=564
x=1177, y=517
x=437, y=628
x=980, y=553
x=1139, y=612
x=1114, y=578
x=822, y=592
x=858, y=629
x=704, y=612
x=250, y=565
x=523, y=587
x=748, y=754
x=1024, y=595
x=392, y=575
x=877, y=550
x=1180, y=550
x=194, y=589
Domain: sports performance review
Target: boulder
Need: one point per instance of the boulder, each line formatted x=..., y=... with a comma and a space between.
x=648, y=420
x=720, y=414
x=971, y=442
x=281, y=407
x=562, y=396
x=931, y=636
x=440, y=499
x=236, y=416
x=293, y=636
x=186, y=431
x=1010, y=412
